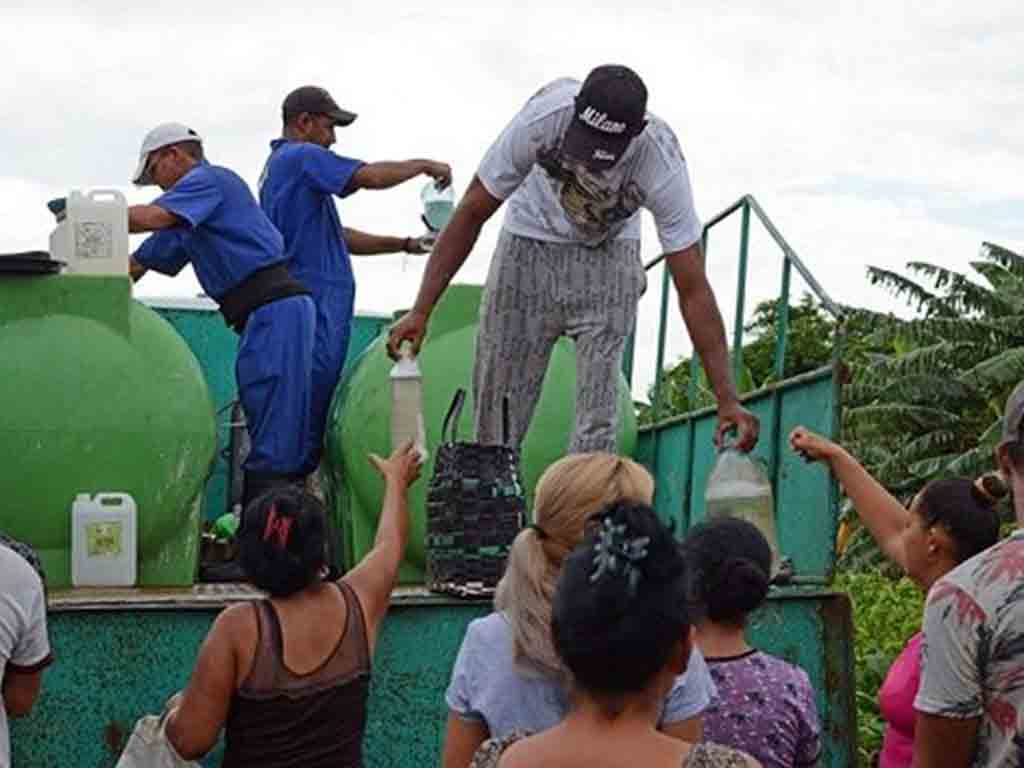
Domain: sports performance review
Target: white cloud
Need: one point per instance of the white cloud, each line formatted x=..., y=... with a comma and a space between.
x=871, y=132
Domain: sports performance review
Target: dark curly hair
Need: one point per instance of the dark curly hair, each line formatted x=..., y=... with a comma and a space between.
x=615, y=626
x=731, y=563
x=283, y=540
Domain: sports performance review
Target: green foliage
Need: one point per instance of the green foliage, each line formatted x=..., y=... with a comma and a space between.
x=930, y=406
x=886, y=615
x=810, y=340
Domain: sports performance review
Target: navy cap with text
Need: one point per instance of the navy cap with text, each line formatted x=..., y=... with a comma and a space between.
x=610, y=110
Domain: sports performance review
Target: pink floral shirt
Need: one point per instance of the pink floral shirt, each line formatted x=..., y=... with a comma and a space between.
x=973, y=651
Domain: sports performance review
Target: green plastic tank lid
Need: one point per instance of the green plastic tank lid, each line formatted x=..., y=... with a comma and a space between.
x=225, y=527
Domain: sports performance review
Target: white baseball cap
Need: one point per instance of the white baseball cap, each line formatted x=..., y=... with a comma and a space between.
x=162, y=136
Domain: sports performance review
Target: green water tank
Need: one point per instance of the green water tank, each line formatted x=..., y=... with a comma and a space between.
x=100, y=394
x=359, y=423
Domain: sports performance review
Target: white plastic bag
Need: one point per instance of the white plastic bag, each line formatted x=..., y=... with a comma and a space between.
x=148, y=747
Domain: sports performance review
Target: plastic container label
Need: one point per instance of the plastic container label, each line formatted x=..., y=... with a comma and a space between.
x=94, y=240
x=104, y=539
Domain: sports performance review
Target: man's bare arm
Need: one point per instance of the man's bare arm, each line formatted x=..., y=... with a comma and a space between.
x=450, y=252
x=703, y=320
x=150, y=218
x=366, y=244
x=944, y=742
x=386, y=174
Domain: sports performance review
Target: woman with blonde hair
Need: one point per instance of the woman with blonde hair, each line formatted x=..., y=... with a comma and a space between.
x=508, y=677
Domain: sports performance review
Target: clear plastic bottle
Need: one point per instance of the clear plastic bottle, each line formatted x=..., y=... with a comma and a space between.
x=438, y=205
x=407, y=405
x=739, y=487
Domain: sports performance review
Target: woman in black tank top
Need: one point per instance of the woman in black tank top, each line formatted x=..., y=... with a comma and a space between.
x=288, y=677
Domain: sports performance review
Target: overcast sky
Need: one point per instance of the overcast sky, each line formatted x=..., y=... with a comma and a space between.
x=869, y=132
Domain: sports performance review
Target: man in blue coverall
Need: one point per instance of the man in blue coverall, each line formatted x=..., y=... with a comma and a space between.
x=208, y=216
x=297, y=189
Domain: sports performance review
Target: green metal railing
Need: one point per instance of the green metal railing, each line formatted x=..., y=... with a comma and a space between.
x=744, y=206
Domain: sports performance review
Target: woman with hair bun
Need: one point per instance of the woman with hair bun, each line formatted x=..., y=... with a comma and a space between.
x=622, y=628
x=765, y=705
x=508, y=677
x=948, y=522
x=288, y=677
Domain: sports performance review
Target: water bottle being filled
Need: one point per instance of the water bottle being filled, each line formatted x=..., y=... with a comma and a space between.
x=438, y=206
x=739, y=487
x=407, y=405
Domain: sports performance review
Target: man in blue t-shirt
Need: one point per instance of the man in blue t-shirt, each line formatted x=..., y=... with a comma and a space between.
x=208, y=216
x=297, y=187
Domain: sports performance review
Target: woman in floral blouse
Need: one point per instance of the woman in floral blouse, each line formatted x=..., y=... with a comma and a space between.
x=765, y=705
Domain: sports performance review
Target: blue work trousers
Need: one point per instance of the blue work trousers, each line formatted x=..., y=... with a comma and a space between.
x=274, y=370
x=334, y=306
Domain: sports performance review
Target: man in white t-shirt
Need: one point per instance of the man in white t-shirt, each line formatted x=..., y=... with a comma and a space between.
x=24, y=647
x=576, y=165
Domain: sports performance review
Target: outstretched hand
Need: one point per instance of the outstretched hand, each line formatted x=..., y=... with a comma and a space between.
x=812, y=446
x=402, y=466
x=733, y=416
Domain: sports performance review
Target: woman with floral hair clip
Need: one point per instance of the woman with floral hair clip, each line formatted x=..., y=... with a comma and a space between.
x=508, y=677
x=621, y=625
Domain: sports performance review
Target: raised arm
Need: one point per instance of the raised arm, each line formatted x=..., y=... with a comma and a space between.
x=699, y=309
x=376, y=575
x=387, y=174
x=449, y=253
x=882, y=513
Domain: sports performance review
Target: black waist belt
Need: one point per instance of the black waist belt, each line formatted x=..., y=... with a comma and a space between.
x=261, y=287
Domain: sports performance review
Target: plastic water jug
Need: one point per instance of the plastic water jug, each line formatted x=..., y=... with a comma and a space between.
x=104, y=540
x=739, y=487
x=438, y=205
x=407, y=405
x=92, y=236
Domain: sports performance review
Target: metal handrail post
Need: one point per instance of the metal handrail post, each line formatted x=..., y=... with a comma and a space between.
x=741, y=296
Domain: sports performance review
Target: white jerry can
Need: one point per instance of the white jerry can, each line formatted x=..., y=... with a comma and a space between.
x=104, y=540
x=92, y=236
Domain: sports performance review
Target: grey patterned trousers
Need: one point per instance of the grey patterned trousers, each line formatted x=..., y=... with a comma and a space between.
x=536, y=292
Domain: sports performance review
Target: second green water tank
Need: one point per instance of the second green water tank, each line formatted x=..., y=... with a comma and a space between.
x=360, y=418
